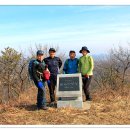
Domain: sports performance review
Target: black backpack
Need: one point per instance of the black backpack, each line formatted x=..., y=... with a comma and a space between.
x=30, y=68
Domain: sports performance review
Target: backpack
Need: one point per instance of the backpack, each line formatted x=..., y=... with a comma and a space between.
x=30, y=69
x=46, y=73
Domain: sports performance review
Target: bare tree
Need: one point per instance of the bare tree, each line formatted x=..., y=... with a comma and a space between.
x=114, y=69
x=121, y=59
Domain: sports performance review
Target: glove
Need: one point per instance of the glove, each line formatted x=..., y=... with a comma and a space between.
x=86, y=76
x=40, y=84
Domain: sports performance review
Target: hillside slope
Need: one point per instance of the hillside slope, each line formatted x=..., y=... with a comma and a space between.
x=107, y=108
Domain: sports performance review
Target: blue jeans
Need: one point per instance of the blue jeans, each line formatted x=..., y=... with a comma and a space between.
x=41, y=96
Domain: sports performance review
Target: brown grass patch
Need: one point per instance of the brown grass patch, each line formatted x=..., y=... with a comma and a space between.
x=108, y=107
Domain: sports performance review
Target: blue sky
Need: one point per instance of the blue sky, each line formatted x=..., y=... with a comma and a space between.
x=71, y=27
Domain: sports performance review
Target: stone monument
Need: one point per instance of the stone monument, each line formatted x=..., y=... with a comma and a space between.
x=69, y=90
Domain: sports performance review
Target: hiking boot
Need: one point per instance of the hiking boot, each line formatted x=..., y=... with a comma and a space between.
x=52, y=104
x=88, y=98
x=44, y=108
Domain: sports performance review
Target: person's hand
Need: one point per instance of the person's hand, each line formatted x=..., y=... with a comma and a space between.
x=86, y=76
x=40, y=84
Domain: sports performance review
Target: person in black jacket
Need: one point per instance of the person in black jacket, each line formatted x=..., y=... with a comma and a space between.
x=37, y=70
x=54, y=64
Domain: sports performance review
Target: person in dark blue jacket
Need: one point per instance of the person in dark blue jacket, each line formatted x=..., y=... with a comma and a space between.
x=71, y=64
x=54, y=64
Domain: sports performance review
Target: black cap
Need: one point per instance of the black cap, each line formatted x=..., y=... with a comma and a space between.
x=72, y=51
x=52, y=49
x=40, y=52
x=84, y=48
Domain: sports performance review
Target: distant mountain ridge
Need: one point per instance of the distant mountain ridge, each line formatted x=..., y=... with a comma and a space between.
x=95, y=56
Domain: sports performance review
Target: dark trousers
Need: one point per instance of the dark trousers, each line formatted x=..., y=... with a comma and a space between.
x=41, y=96
x=52, y=84
x=86, y=83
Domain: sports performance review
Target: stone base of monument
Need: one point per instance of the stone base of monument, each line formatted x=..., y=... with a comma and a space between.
x=73, y=102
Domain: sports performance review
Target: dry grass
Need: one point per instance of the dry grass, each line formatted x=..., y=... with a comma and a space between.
x=108, y=108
